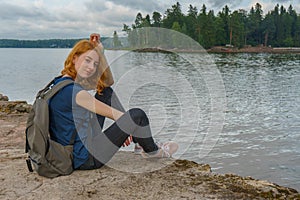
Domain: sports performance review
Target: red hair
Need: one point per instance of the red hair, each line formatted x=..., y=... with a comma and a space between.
x=97, y=81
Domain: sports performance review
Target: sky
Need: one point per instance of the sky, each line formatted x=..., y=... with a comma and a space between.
x=61, y=19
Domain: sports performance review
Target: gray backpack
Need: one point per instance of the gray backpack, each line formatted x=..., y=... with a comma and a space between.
x=49, y=158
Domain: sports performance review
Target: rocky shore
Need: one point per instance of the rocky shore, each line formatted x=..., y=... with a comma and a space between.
x=173, y=179
x=224, y=49
x=258, y=49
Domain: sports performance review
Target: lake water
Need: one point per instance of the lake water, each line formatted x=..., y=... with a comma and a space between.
x=240, y=113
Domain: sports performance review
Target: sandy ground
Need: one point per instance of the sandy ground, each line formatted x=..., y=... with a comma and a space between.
x=127, y=176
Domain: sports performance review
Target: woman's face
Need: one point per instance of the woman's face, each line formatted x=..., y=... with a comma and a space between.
x=86, y=64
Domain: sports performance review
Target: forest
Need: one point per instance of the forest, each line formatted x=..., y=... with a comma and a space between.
x=279, y=27
x=50, y=43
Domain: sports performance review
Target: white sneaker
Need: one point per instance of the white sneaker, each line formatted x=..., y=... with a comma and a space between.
x=166, y=150
x=137, y=149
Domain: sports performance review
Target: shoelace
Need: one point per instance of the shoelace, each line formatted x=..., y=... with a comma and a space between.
x=165, y=149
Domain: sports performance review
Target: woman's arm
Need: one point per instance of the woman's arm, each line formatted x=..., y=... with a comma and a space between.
x=109, y=77
x=106, y=69
x=87, y=101
x=95, y=39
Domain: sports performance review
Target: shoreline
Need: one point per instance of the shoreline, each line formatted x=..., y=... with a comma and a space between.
x=260, y=49
x=216, y=49
x=219, y=49
x=177, y=179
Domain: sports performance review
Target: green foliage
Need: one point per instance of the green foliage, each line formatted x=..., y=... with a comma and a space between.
x=116, y=42
x=156, y=19
x=52, y=43
x=279, y=27
x=176, y=27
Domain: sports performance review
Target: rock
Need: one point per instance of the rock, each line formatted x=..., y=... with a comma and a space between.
x=127, y=176
x=3, y=98
x=250, y=49
x=10, y=107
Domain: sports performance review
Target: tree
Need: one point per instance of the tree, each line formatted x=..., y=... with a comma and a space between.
x=184, y=29
x=146, y=22
x=138, y=20
x=293, y=17
x=288, y=22
x=190, y=22
x=205, y=28
x=156, y=17
x=297, y=32
x=201, y=25
x=269, y=29
x=193, y=11
x=237, y=28
x=176, y=27
x=224, y=16
x=126, y=28
x=254, y=25
x=176, y=38
x=210, y=32
x=116, y=42
x=279, y=27
x=220, y=38
x=130, y=35
x=173, y=15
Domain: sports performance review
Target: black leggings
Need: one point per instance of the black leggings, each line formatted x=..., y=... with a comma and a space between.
x=134, y=122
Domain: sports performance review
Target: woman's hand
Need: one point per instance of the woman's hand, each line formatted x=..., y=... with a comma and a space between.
x=95, y=39
x=127, y=141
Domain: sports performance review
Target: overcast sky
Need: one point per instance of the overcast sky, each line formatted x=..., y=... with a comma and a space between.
x=46, y=19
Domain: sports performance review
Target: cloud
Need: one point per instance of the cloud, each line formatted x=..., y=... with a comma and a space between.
x=23, y=21
x=96, y=5
x=270, y=5
x=109, y=17
x=141, y=5
x=34, y=21
x=11, y=12
x=43, y=19
x=222, y=3
x=286, y=1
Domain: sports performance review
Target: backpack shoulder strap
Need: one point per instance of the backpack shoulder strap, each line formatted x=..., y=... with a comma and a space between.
x=51, y=83
x=46, y=93
x=52, y=89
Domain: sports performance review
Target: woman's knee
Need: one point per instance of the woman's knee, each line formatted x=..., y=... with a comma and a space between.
x=139, y=116
x=105, y=95
x=108, y=91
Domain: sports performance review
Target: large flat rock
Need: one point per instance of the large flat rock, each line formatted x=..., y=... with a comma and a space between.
x=127, y=176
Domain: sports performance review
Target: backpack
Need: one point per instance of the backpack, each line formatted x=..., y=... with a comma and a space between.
x=49, y=158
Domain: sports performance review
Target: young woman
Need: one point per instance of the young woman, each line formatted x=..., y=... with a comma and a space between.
x=107, y=95
x=72, y=108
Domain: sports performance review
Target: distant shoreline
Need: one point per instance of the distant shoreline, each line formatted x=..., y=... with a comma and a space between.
x=217, y=49
x=222, y=49
x=261, y=49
